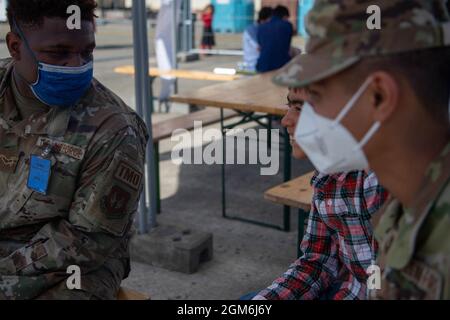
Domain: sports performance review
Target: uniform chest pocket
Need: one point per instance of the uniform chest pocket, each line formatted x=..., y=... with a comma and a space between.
x=56, y=201
x=417, y=281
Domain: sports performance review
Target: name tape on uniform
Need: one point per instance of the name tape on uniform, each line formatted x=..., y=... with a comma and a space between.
x=62, y=147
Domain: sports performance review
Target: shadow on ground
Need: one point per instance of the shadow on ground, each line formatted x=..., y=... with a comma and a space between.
x=246, y=257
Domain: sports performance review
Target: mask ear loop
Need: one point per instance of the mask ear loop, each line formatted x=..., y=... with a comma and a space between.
x=348, y=107
x=352, y=101
x=24, y=39
x=19, y=31
x=368, y=135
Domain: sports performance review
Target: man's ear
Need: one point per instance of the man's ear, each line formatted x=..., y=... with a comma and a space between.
x=386, y=93
x=14, y=42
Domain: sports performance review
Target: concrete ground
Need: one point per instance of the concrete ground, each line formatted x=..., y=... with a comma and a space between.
x=246, y=257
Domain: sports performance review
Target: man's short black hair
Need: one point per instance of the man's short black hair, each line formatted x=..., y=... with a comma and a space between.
x=31, y=13
x=281, y=12
x=264, y=14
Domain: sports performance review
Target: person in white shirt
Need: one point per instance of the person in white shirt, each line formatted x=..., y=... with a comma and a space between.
x=250, y=42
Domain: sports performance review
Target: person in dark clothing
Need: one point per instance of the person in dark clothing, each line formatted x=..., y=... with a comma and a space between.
x=250, y=40
x=274, y=39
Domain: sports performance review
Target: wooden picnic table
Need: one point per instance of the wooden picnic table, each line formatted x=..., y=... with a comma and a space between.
x=250, y=97
x=252, y=94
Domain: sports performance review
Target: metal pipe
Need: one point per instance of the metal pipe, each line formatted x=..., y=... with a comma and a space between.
x=175, y=5
x=146, y=218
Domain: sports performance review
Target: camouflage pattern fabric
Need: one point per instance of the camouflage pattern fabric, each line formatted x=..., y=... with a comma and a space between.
x=414, y=250
x=97, y=153
x=340, y=37
x=414, y=242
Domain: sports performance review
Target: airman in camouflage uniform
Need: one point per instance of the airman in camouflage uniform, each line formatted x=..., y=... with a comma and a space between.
x=413, y=231
x=96, y=148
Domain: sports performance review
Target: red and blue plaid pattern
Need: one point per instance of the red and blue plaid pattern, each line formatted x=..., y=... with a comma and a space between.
x=337, y=244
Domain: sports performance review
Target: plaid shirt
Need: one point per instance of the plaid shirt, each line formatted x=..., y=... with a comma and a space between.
x=337, y=244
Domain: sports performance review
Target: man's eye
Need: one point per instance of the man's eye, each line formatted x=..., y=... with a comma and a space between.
x=295, y=105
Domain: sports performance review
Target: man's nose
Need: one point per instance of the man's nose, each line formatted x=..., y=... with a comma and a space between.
x=287, y=121
x=76, y=60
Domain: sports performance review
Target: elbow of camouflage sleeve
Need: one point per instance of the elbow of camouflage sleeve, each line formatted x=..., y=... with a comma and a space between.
x=60, y=245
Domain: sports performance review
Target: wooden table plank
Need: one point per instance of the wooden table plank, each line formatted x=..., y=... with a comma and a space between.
x=183, y=74
x=165, y=129
x=295, y=193
x=252, y=94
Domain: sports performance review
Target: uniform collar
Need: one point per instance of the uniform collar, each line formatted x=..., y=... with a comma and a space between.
x=52, y=122
x=411, y=219
x=6, y=66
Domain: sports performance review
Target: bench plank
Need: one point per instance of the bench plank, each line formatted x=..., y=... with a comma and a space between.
x=164, y=129
x=295, y=193
x=128, y=294
x=181, y=74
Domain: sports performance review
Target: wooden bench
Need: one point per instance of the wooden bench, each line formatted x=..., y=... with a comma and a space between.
x=129, y=294
x=296, y=193
x=178, y=74
x=164, y=129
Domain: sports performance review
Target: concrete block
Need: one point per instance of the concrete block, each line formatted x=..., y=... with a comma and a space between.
x=173, y=248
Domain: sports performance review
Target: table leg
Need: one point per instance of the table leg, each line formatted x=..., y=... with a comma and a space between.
x=223, y=163
x=157, y=175
x=250, y=117
x=269, y=135
x=286, y=177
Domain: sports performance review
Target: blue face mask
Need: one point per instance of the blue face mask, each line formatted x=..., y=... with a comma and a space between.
x=58, y=85
x=62, y=86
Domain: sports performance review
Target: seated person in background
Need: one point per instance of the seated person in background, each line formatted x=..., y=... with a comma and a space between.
x=75, y=153
x=250, y=41
x=338, y=245
x=274, y=39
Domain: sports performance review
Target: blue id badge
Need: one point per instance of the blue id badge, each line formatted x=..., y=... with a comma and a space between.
x=39, y=175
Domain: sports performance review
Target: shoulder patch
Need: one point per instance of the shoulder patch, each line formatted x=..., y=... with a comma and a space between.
x=128, y=175
x=115, y=204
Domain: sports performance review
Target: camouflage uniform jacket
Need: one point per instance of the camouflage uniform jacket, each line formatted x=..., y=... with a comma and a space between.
x=97, y=150
x=415, y=242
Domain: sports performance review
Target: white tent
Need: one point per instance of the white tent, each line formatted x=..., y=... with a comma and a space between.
x=2, y=10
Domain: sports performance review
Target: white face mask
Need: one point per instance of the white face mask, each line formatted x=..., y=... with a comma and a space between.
x=328, y=144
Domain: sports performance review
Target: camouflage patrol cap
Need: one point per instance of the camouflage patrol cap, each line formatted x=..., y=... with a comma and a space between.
x=340, y=35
